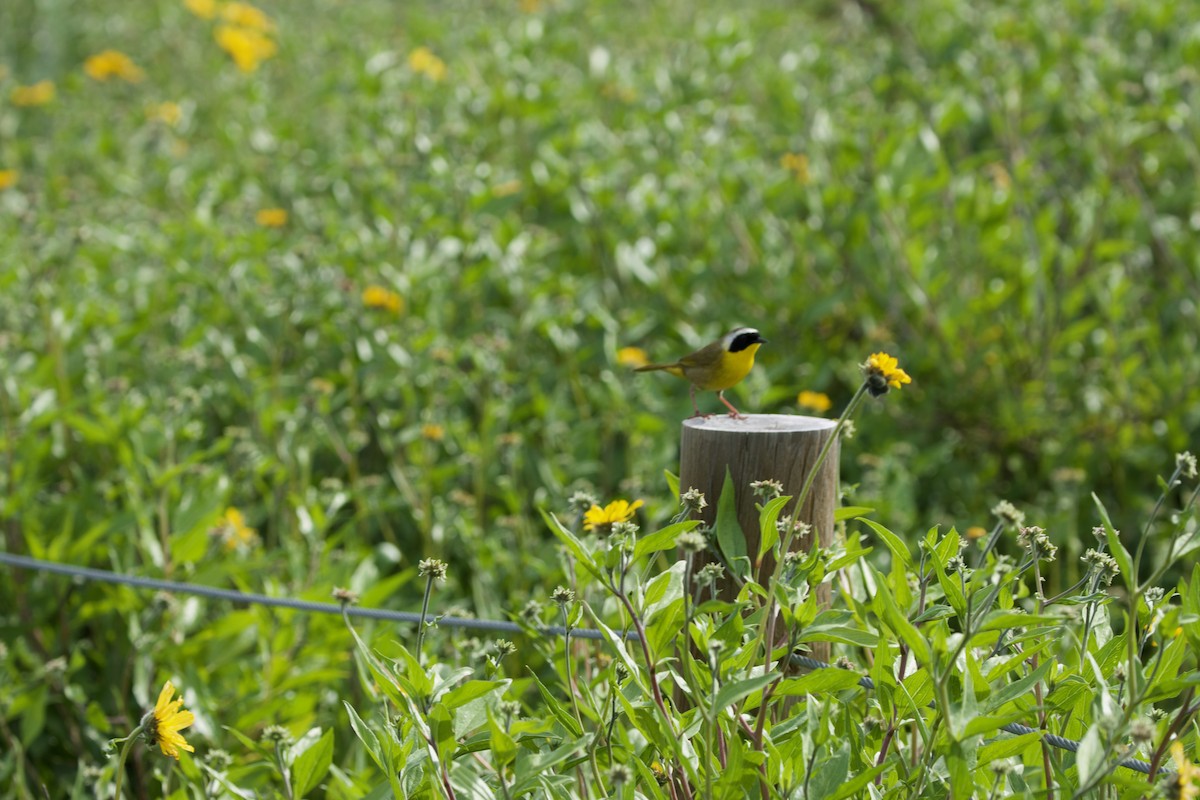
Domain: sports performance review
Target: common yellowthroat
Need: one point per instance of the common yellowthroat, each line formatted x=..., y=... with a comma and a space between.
x=716, y=366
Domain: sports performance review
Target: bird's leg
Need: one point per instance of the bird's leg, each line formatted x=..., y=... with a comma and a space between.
x=695, y=407
x=733, y=412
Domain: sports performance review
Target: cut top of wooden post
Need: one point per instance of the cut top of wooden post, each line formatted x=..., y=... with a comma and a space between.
x=760, y=447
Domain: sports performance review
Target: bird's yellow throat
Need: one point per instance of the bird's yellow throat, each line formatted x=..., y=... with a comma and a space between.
x=731, y=368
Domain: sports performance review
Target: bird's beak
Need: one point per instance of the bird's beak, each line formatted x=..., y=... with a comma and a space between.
x=761, y=340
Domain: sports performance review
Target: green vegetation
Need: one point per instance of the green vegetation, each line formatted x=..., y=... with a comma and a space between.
x=294, y=299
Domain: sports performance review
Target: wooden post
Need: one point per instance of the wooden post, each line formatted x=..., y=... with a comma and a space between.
x=759, y=447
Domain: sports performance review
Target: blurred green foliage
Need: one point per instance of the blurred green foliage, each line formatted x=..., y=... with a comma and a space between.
x=1002, y=196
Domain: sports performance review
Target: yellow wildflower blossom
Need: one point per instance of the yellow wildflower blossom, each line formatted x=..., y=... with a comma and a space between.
x=817, y=401
x=8, y=178
x=1185, y=783
x=433, y=432
x=234, y=532
x=507, y=188
x=246, y=46
x=168, y=113
x=112, y=64
x=271, y=217
x=883, y=372
x=164, y=723
x=632, y=357
x=37, y=94
x=797, y=164
x=247, y=16
x=204, y=9
x=423, y=62
x=382, y=298
x=603, y=519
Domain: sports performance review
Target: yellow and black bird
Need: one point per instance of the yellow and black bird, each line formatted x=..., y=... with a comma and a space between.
x=716, y=366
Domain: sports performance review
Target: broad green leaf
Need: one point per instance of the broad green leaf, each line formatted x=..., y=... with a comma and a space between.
x=309, y=768
x=737, y=691
x=573, y=544
x=503, y=747
x=470, y=691
x=1116, y=549
x=365, y=735
x=730, y=537
x=893, y=543
x=768, y=531
x=1007, y=747
x=850, y=512
x=559, y=711
x=831, y=679
x=662, y=539
x=1018, y=688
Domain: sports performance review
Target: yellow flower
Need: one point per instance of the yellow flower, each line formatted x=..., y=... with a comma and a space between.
x=507, y=188
x=598, y=518
x=168, y=113
x=1185, y=785
x=38, y=94
x=204, y=9
x=382, y=298
x=976, y=532
x=234, y=532
x=247, y=16
x=164, y=723
x=883, y=371
x=271, y=217
x=8, y=178
x=112, y=64
x=817, y=401
x=632, y=357
x=246, y=46
x=797, y=164
x=423, y=62
x=433, y=432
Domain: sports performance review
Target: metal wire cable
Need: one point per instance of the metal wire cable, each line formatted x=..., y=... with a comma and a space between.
x=249, y=598
x=494, y=626
x=1052, y=739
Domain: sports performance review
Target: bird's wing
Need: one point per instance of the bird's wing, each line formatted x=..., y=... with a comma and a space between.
x=704, y=357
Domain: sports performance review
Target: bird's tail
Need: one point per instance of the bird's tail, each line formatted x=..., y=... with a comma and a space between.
x=653, y=367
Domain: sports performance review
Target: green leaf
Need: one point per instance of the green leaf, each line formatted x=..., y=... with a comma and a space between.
x=672, y=482
x=831, y=679
x=573, y=544
x=503, y=746
x=893, y=618
x=737, y=691
x=852, y=787
x=1117, y=549
x=559, y=711
x=663, y=539
x=469, y=691
x=768, y=531
x=1018, y=688
x=850, y=512
x=366, y=736
x=1090, y=757
x=309, y=768
x=1007, y=747
x=730, y=536
x=893, y=543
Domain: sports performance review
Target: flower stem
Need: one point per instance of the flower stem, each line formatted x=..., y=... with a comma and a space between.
x=125, y=748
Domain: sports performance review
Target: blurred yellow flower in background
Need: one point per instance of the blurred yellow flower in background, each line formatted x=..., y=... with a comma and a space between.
x=246, y=46
x=247, y=16
x=8, y=178
x=37, y=94
x=271, y=217
x=433, y=432
x=817, y=401
x=423, y=62
x=632, y=357
x=233, y=531
x=204, y=9
x=382, y=298
x=112, y=64
x=797, y=164
x=168, y=113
